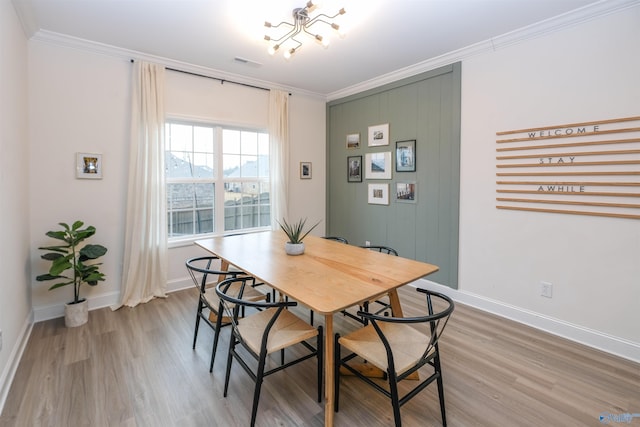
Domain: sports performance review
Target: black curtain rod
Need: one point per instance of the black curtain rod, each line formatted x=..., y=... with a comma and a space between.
x=222, y=81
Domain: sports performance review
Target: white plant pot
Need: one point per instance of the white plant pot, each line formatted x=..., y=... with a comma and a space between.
x=294, y=248
x=76, y=314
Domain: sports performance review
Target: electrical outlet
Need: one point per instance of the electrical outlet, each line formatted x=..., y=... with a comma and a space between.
x=546, y=289
x=367, y=243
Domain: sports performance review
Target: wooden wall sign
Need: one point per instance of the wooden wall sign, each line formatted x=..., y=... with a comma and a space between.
x=590, y=168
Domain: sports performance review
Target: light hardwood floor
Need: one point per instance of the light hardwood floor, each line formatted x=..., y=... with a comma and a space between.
x=135, y=367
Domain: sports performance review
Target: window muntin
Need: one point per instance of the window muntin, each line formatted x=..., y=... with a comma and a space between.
x=217, y=179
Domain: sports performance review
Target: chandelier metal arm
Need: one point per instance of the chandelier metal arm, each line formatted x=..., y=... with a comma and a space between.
x=317, y=18
x=288, y=35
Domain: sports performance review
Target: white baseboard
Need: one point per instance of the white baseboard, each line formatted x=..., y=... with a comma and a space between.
x=57, y=310
x=106, y=300
x=589, y=337
x=6, y=379
x=179, y=284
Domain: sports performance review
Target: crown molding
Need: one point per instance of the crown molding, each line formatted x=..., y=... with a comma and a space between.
x=549, y=26
x=50, y=37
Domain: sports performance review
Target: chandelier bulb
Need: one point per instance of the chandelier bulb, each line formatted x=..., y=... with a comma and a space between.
x=272, y=50
x=288, y=53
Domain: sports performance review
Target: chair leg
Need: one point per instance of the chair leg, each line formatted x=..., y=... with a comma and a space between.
x=198, y=314
x=336, y=373
x=320, y=356
x=395, y=402
x=232, y=345
x=311, y=317
x=216, y=335
x=256, y=393
x=440, y=389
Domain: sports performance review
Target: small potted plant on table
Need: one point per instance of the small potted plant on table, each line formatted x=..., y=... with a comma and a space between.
x=295, y=232
x=73, y=256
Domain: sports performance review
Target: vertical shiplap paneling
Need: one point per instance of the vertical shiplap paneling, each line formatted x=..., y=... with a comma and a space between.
x=425, y=108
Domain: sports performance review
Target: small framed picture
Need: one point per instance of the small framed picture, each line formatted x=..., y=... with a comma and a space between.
x=378, y=165
x=406, y=192
x=353, y=141
x=305, y=170
x=406, y=156
x=88, y=166
x=354, y=169
x=379, y=135
x=378, y=194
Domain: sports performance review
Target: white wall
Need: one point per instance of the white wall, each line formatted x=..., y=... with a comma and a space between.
x=15, y=303
x=80, y=102
x=583, y=73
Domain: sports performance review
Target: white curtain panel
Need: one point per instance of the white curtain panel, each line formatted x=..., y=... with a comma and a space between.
x=279, y=155
x=145, y=251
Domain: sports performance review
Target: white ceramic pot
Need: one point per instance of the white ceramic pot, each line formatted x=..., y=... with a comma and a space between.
x=294, y=248
x=76, y=314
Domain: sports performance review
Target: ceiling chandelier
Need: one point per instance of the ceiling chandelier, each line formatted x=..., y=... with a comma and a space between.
x=302, y=22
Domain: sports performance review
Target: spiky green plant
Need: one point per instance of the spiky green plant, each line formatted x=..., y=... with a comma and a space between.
x=70, y=257
x=295, y=231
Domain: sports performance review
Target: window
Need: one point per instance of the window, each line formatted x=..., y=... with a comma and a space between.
x=217, y=179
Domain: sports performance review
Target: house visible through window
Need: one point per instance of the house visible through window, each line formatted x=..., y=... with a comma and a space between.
x=217, y=179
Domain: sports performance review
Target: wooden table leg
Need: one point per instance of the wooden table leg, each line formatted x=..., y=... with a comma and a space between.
x=329, y=379
x=394, y=299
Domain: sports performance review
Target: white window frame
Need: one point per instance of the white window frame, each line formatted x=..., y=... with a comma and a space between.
x=218, y=180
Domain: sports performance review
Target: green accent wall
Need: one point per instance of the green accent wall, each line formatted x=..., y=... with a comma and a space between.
x=426, y=108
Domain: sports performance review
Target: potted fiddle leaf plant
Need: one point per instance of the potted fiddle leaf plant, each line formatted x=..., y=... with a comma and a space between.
x=73, y=263
x=296, y=233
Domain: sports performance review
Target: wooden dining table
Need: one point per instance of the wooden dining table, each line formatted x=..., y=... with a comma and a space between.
x=329, y=277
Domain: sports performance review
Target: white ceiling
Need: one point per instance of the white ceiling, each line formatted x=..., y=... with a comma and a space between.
x=385, y=36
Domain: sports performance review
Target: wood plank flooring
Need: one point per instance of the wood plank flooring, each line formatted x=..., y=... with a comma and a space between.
x=135, y=367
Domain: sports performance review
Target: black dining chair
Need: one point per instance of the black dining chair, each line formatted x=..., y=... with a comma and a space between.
x=205, y=278
x=270, y=330
x=337, y=239
x=399, y=347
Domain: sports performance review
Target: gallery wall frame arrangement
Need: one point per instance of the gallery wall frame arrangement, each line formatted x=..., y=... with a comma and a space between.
x=378, y=194
x=406, y=156
x=354, y=169
x=88, y=166
x=378, y=135
x=378, y=165
x=305, y=170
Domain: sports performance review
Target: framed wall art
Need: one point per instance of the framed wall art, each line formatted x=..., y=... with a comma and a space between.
x=378, y=194
x=88, y=166
x=406, y=156
x=406, y=192
x=379, y=135
x=353, y=141
x=354, y=169
x=378, y=165
x=305, y=170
